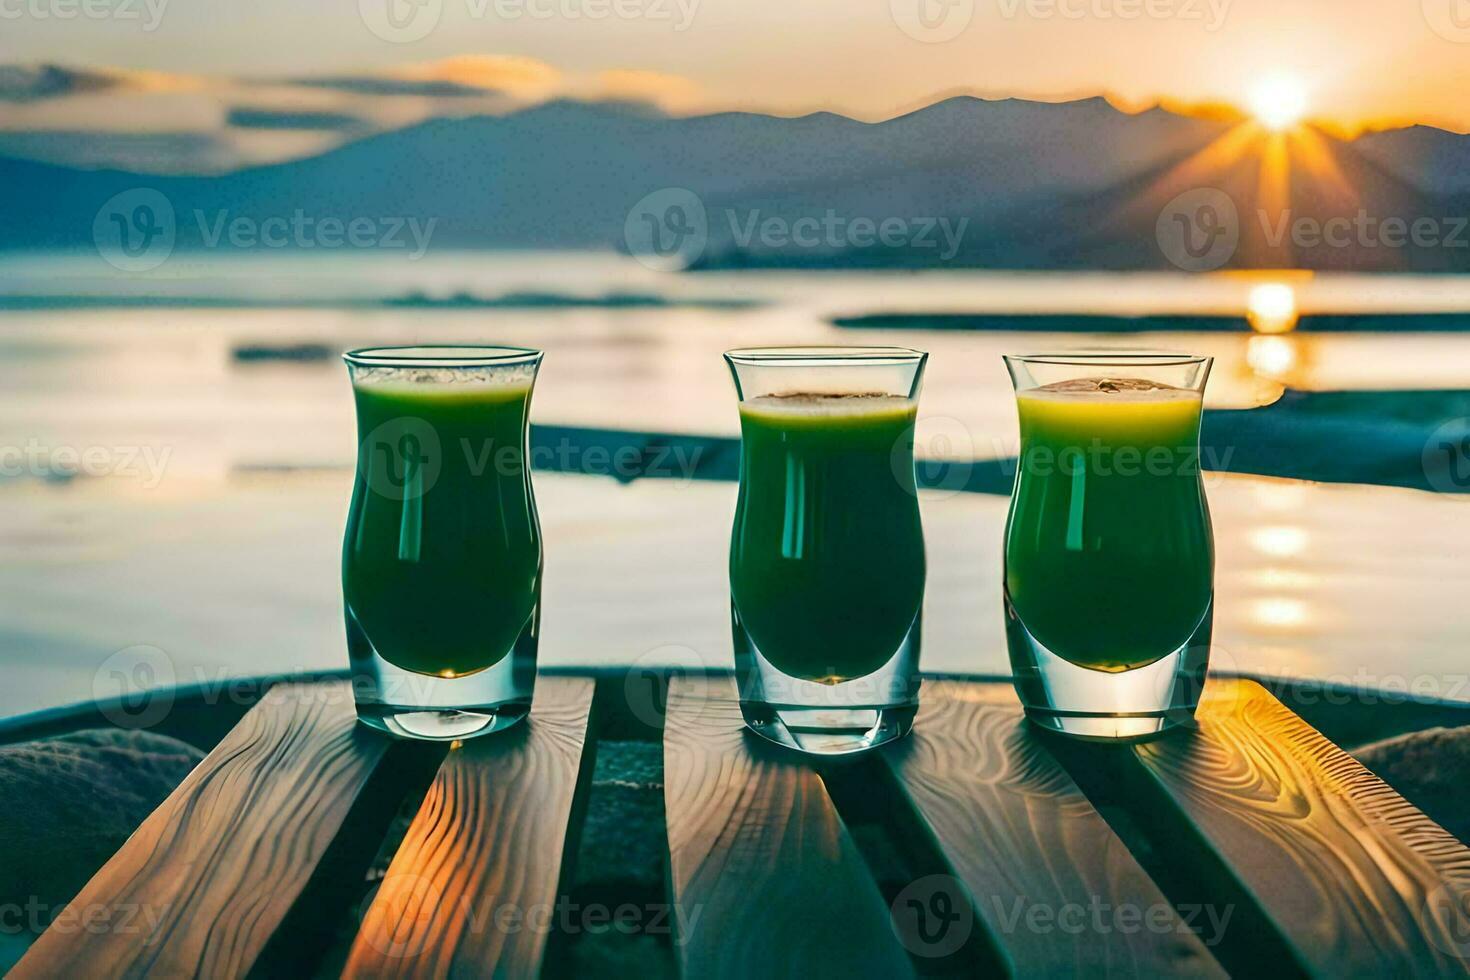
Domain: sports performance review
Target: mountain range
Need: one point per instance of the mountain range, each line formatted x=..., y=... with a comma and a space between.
x=1017, y=184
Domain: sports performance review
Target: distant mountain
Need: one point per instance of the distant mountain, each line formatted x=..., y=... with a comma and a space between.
x=1025, y=185
x=1431, y=159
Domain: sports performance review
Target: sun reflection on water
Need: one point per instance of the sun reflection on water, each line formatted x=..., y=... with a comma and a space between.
x=1280, y=613
x=1280, y=541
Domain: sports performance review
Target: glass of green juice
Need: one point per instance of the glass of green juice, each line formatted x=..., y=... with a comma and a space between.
x=827, y=553
x=1109, y=556
x=441, y=560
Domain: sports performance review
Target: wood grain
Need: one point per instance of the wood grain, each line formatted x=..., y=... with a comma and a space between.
x=1356, y=879
x=1055, y=888
x=200, y=887
x=472, y=890
x=764, y=878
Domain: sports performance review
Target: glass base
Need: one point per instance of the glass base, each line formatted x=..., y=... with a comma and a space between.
x=851, y=716
x=409, y=704
x=1100, y=705
x=828, y=731
x=441, y=726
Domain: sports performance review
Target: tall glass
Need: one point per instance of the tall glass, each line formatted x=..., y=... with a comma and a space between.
x=827, y=555
x=1109, y=557
x=441, y=562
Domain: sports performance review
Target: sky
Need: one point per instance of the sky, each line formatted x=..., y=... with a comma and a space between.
x=189, y=63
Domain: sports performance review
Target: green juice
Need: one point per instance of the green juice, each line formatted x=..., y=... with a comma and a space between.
x=827, y=555
x=1108, y=558
x=441, y=564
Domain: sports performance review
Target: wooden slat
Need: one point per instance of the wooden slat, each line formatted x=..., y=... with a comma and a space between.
x=765, y=880
x=1356, y=879
x=1056, y=889
x=201, y=886
x=472, y=889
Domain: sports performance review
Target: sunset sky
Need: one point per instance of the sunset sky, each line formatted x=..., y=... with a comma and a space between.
x=1355, y=62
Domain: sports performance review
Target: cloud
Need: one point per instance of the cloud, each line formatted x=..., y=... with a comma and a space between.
x=256, y=117
x=381, y=86
x=32, y=83
x=140, y=152
x=673, y=93
x=160, y=122
x=460, y=77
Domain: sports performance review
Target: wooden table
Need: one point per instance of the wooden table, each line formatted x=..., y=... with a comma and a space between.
x=977, y=846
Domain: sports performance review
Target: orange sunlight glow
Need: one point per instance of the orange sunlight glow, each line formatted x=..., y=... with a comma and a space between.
x=1271, y=308
x=1279, y=102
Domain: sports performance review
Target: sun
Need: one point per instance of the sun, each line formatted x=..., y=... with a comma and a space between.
x=1279, y=102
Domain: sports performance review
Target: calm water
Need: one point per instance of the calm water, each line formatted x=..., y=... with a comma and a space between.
x=210, y=528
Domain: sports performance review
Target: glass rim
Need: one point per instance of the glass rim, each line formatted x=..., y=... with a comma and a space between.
x=831, y=354
x=441, y=355
x=1112, y=357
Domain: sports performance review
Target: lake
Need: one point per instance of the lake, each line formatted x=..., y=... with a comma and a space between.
x=179, y=449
